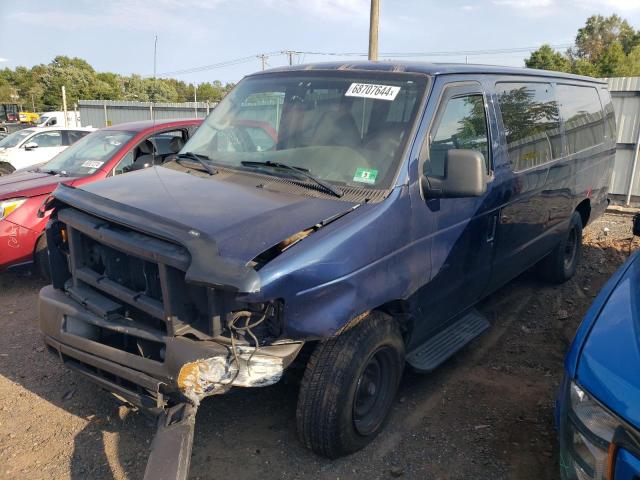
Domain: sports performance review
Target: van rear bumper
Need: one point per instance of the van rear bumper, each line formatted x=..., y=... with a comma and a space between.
x=186, y=370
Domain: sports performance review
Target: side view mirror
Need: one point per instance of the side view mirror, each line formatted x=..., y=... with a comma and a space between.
x=636, y=224
x=465, y=176
x=31, y=146
x=137, y=166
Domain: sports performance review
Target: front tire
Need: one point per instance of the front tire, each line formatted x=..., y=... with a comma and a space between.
x=41, y=258
x=561, y=264
x=349, y=385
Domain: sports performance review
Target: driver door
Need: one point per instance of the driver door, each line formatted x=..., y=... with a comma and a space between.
x=463, y=228
x=40, y=148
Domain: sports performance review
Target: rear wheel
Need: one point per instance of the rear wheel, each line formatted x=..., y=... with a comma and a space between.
x=41, y=258
x=561, y=264
x=348, y=387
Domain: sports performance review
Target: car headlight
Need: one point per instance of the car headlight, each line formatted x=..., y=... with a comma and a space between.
x=8, y=206
x=591, y=429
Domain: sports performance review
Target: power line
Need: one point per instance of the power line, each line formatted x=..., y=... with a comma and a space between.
x=291, y=53
x=450, y=53
x=226, y=63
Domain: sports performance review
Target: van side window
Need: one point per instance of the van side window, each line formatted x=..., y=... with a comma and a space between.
x=531, y=121
x=582, y=115
x=462, y=125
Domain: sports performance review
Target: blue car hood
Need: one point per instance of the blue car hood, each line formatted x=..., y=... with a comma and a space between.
x=243, y=220
x=609, y=364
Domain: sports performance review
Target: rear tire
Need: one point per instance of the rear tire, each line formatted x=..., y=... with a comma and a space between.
x=41, y=258
x=6, y=168
x=348, y=387
x=561, y=264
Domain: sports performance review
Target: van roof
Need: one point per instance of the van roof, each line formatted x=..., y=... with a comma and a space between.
x=430, y=69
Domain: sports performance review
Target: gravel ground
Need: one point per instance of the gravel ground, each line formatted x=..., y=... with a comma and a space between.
x=485, y=414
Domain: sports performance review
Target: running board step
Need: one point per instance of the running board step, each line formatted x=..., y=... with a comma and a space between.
x=440, y=347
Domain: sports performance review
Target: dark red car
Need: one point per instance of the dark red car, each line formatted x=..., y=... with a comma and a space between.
x=104, y=153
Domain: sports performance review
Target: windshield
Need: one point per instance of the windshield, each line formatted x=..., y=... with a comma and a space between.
x=43, y=120
x=347, y=128
x=15, y=138
x=89, y=153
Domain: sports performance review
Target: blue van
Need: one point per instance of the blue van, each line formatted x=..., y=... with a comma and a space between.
x=598, y=408
x=342, y=219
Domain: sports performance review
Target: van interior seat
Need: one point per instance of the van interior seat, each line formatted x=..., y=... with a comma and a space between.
x=338, y=128
x=384, y=141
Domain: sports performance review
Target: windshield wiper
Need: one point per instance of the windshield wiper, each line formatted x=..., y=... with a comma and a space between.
x=62, y=173
x=299, y=170
x=198, y=158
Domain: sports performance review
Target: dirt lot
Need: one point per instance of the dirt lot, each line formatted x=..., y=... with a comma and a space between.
x=486, y=414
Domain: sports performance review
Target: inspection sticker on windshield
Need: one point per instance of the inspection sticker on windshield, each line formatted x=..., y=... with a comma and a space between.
x=92, y=164
x=365, y=175
x=369, y=90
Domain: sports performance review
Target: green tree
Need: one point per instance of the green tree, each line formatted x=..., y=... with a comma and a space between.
x=613, y=61
x=632, y=67
x=604, y=47
x=546, y=58
x=599, y=33
x=581, y=66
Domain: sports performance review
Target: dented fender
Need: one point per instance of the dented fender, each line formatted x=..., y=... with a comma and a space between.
x=366, y=259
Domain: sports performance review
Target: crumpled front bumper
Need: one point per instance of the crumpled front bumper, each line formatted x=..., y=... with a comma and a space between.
x=189, y=370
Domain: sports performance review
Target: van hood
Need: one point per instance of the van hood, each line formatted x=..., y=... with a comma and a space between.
x=242, y=220
x=609, y=365
x=29, y=183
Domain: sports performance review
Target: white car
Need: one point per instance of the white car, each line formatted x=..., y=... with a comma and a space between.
x=32, y=146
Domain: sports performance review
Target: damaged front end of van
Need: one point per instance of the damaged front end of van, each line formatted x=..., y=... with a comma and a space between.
x=149, y=310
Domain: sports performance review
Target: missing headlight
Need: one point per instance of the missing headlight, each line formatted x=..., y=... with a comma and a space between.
x=259, y=324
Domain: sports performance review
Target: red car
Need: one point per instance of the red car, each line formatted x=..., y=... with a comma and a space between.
x=106, y=152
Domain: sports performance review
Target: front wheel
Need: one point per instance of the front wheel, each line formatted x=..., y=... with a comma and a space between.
x=561, y=264
x=348, y=387
x=41, y=258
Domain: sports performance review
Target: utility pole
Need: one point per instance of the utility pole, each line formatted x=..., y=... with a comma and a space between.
x=195, y=98
x=155, y=81
x=33, y=103
x=290, y=54
x=263, y=60
x=374, y=21
x=64, y=105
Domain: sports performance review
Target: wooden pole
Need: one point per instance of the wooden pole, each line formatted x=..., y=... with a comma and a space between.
x=374, y=21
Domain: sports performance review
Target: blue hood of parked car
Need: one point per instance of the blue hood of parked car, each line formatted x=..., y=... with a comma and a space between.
x=608, y=365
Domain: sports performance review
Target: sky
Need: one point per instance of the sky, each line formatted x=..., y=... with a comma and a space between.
x=118, y=35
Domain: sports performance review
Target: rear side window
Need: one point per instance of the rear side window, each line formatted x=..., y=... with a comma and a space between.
x=462, y=125
x=52, y=138
x=72, y=136
x=582, y=115
x=531, y=120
